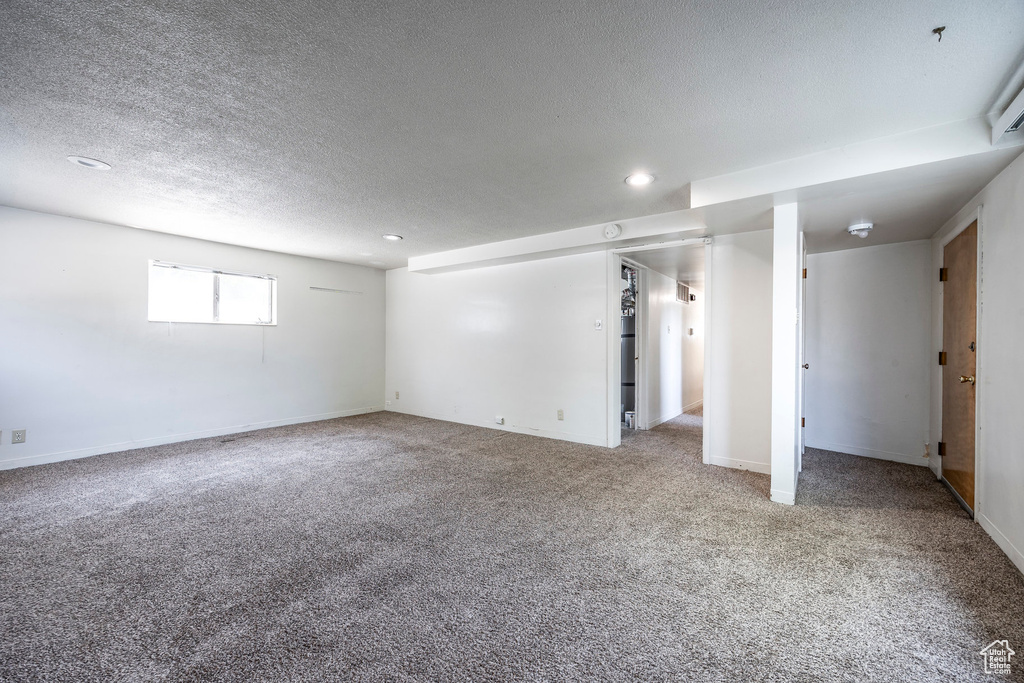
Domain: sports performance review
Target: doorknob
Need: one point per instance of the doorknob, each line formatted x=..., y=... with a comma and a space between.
x=806, y=366
x=966, y=378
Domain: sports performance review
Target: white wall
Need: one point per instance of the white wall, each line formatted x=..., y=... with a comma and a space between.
x=869, y=351
x=665, y=334
x=84, y=372
x=738, y=349
x=516, y=341
x=999, y=479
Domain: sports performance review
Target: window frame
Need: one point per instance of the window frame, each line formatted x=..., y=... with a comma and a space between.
x=216, y=272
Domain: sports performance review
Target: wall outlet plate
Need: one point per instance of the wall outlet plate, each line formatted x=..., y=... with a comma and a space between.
x=18, y=436
x=396, y=395
x=561, y=415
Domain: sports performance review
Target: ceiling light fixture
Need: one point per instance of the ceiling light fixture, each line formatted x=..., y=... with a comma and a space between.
x=94, y=164
x=392, y=238
x=639, y=179
x=860, y=230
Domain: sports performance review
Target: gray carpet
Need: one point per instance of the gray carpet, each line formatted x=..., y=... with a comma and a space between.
x=388, y=547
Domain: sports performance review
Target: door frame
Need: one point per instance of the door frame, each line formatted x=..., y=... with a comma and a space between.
x=979, y=395
x=640, y=383
x=616, y=258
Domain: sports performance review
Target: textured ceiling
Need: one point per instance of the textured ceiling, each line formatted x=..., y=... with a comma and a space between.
x=312, y=127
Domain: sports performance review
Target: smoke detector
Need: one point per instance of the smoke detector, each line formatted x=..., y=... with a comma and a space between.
x=612, y=230
x=860, y=230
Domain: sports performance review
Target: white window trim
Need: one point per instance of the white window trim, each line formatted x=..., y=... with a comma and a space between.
x=216, y=293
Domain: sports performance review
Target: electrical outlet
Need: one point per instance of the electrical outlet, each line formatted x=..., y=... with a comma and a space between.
x=396, y=395
x=387, y=404
x=498, y=419
x=18, y=436
x=561, y=414
x=927, y=450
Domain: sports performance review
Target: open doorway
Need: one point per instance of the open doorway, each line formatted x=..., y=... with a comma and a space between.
x=629, y=348
x=662, y=355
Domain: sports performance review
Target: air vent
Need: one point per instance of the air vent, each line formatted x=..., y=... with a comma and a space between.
x=1012, y=119
x=682, y=293
x=1017, y=123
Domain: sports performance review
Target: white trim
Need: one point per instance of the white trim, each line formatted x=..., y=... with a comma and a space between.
x=979, y=363
x=749, y=465
x=905, y=458
x=613, y=347
x=661, y=420
x=784, y=497
x=696, y=404
x=176, y=438
x=974, y=216
x=514, y=428
x=661, y=245
x=709, y=289
x=1015, y=555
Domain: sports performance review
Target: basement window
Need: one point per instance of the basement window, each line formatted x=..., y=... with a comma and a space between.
x=193, y=294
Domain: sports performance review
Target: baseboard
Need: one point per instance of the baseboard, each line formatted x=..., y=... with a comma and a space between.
x=1015, y=555
x=904, y=458
x=784, y=497
x=45, y=458
x=654, y=423
x=693, y=406
x=517, y=429
x=751, y=465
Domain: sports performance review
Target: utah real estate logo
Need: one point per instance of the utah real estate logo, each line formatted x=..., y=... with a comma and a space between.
x=997, y=657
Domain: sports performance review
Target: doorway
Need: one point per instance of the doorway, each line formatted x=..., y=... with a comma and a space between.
x=661, y=299
x=629, y=286
x=959, y=358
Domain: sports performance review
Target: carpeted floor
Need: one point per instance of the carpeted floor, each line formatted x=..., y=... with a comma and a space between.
x=388, y=547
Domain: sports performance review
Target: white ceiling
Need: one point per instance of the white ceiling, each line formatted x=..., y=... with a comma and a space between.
x=904, y=205
x=683, y=263
x=312, y=127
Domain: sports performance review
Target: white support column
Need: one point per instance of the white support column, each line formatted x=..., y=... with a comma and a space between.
x=786, y=280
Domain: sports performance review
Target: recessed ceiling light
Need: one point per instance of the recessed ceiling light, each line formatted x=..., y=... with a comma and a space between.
x=392, y=238
x=639, y=179
x=94, y=164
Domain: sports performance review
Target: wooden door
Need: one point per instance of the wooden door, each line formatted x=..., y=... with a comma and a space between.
x=959, y=329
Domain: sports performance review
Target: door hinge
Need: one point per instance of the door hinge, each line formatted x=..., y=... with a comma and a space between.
x=942, y=448
x=803, y=421
x=805, y=273
x=942, y=357
x=943, y=274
